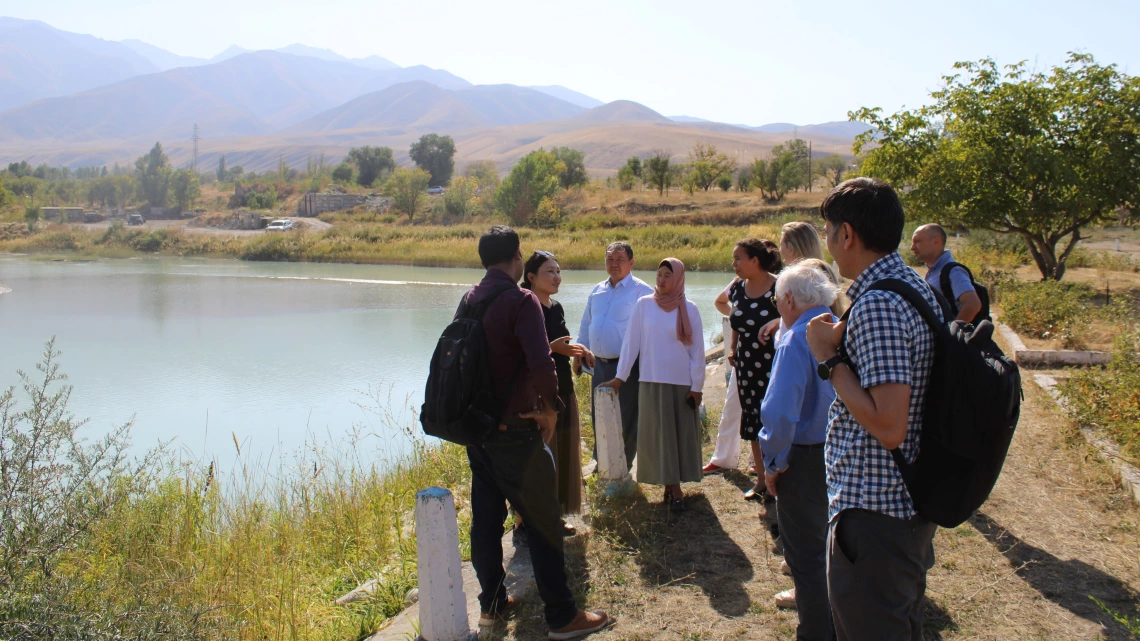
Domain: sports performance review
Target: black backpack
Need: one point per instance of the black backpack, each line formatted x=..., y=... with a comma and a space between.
x=973, y=401
x=460, y=403
x=948, y=292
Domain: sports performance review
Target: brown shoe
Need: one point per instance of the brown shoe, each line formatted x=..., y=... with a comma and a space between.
x=583, y=624
x=488, y=619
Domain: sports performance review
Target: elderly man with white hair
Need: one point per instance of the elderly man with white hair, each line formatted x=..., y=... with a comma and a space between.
x=794, y=415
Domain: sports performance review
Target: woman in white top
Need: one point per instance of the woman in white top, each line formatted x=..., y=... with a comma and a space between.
x=666, y=338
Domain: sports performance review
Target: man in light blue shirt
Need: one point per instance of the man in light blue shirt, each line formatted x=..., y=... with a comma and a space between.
x=794, y=417
x=603, y=331
x=929, y=245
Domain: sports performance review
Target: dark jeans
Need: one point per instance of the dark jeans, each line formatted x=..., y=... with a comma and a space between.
x=627, y=399
x=801, y=507
x=876, y=574
x=515, y=465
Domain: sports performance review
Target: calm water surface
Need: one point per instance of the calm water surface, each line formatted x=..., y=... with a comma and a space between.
x=201, y=352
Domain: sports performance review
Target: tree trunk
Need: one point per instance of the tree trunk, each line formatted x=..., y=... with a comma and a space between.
x=1044, y=251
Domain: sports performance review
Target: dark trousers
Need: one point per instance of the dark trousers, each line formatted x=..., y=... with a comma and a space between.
x=627, y=399
x=515, y=465
x=876, y=574
x=801, y=507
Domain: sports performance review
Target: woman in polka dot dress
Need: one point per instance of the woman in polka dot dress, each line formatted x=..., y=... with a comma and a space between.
x=753, y=299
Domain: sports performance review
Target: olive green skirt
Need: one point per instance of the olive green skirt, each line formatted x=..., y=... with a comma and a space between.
x=668, y=435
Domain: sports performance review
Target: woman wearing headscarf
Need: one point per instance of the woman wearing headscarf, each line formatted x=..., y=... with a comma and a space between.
x=666, y=338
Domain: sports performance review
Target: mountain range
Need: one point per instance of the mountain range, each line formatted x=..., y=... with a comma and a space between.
x=68, y=98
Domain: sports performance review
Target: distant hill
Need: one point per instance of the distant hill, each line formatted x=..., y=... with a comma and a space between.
x=843, y=128
x=40, y=61
x=687, y=119
x=232, y=51
x=776, y=128
x=161, y=58
x=250, y=94
x=621, y=111
x=421, y=106
x=569, y=95
x=371, y=62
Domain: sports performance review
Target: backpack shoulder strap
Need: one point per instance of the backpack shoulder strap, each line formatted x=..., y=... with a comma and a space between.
x=908, y=292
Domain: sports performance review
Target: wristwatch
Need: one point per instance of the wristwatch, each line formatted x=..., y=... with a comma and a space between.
x=824, y=368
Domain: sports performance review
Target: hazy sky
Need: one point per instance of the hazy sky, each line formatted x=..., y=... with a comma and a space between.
x=750, y=62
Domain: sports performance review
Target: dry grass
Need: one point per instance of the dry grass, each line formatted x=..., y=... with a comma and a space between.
x=1057, y=530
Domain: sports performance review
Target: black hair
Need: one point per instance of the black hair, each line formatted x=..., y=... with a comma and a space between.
x=767, y=251
x=533, y=264
x=498, y=245
x=873, y=210
x=621, y=244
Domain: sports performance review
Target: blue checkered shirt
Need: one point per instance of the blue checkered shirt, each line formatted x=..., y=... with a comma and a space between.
x=887, y=342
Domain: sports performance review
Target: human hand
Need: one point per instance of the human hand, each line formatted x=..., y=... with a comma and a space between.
x=731, y=359
x=546, y=417
x=824, y=337
x=771, y=481
x=565, y=348
x=588, y=358
x=696, y=396
x=615, y=384
x=767, y=330
x=577, y=365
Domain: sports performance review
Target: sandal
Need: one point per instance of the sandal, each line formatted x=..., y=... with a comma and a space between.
x=677, y=505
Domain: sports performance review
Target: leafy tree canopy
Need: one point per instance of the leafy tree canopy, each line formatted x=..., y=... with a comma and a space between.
x=534, y=177
x=1038, y=154
x=408, y=190
x=371, y=163
x=573, y=170
x=436, y=155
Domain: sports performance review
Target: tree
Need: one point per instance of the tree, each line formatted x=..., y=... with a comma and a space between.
x=626, y=179
x=342, y=173
x=371, y=163
x=221, y=170
x=408, y=190
x=783, y=172
x=459, y=199
x=31, y=216
x=573, y=170
x=724, y=182
x=485, y=173
x=436, y=155
x=1039, y=154
x=152, y=173
x=185, y=188
x=20, y=169
x=5, y=197
x=832, y=168
x=657, y=171
x=534, y=177
x=744, y=178
x=706, y=165
x=634, y=165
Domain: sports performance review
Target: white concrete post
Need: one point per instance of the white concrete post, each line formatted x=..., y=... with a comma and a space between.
x=443, y=606
x=611, y=445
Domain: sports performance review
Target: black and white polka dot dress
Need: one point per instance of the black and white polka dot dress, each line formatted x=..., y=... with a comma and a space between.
x=753, y=358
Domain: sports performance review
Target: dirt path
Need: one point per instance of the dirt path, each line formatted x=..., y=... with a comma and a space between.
x=1057, y=530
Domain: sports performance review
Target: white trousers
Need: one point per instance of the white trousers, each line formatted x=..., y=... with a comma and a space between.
x=727, y=450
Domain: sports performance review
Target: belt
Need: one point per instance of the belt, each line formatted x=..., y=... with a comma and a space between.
x=606, y=360
x=812, y=446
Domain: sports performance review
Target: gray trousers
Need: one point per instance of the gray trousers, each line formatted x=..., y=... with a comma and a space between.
x=801, y=507
x=876, y=574
x=627, y=399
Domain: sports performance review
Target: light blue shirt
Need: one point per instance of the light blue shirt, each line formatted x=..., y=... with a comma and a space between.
x=607, y=315
x=796, y=405
x=959, y=279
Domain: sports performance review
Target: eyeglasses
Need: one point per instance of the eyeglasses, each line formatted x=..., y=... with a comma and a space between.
x=542, y=253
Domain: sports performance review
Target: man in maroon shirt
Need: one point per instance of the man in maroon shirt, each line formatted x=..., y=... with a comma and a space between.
x=513, y=463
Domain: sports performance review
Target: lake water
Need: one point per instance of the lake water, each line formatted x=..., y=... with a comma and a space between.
x=203, y=352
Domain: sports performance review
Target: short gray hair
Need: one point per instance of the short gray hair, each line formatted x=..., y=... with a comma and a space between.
x=808, y=286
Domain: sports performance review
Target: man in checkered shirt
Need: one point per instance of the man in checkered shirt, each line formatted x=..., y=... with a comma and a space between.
x=879, y=361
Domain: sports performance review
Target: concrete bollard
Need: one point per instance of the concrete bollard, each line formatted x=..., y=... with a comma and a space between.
x=443, y=606
x=613, y=472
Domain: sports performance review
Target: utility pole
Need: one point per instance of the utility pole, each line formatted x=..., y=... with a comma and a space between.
x=809, y=166
x=194, y=158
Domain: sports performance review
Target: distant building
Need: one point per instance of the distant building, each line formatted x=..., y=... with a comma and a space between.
x=313, y=204
x=62, y=214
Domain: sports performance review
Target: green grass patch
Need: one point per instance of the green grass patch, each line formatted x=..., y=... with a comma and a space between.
x=1108, y=397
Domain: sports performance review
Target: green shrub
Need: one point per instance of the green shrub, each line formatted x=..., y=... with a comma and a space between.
x=548, y=214
x=1108, y=397
x=1046, y=310
x=1108, y=261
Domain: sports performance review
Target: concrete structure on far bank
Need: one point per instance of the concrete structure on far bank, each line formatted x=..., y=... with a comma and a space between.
x=314, y=204
x=62, y=214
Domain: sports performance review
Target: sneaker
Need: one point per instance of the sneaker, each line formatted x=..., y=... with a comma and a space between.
x=583, y=624
x=784, y=569
x=487, y=619
x=786, y=599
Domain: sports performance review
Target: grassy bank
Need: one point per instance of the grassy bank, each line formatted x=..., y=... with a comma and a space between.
x=581, y=246
x=168, y=549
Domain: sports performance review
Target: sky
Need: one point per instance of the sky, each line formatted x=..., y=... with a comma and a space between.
x=738, y=61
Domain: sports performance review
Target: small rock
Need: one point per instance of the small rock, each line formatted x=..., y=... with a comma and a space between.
x=411, y=597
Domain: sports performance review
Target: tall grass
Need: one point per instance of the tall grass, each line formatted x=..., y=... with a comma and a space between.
x=183, y=549
x=1108, y=397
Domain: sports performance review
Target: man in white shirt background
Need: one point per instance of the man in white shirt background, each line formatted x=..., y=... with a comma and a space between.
x=603, y=329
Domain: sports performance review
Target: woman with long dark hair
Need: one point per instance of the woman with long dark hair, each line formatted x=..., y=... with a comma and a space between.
x=543, y=276
x=753, y=304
